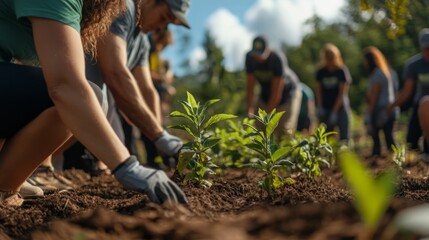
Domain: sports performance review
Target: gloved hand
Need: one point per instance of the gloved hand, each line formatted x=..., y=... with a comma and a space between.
x=155, y=183
x=333, y=119
x=168, y=145
x=320, y=112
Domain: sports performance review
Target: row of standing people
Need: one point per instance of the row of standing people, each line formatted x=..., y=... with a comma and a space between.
x=281, y=88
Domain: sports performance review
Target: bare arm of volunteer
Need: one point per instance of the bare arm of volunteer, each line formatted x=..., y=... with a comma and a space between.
x=147, y=89
x=112, y=59
x=318, y=93
x=60, y=52
x=276, y=93
x=373, y=96
x=403, y=96
x=250, y=88
x=344, y=88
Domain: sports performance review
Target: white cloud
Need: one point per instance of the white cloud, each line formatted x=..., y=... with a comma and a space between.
x=229, y=35
x=281, y=21
x=196, y=56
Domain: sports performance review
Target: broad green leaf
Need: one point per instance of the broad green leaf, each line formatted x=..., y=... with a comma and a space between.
x=256, y=147
x=188, y=108
x=251, y=126
x=209, y=143
x=279, y=153
x=217, y=118
x=191, y=100
x=209, y=103
x=284, y=162
x=372, y=196
x=277, y=182
x=180, y=114
x=184, y=158
x=262, y=114
x=186, y=128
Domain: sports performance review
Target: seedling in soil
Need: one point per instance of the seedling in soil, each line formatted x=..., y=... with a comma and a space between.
x=310, y=153
x=399, y=155
x=372, y=195
x=194, y=155
x=231, y=150
x=269, y=155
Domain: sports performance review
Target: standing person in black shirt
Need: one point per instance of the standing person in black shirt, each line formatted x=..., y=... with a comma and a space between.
x=332, y=83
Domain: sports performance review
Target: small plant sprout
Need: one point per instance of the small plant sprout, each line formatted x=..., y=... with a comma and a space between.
x=399, y=155
x=313, y=151
x=194, y=156
x=232, y=150
x=270, y=157
x=372, y=195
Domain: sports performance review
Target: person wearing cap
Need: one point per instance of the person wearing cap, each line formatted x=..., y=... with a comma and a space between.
x=332, y=83
x=279, y=84
x=416, y=76
x=122, y=64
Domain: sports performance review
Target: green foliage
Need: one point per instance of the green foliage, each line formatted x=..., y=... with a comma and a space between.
x=194, y=155
x=232, y=150
x=371, y=195
x=270, y=158
x=310, y=153
x=398, y=13
x=80, y=236
x=399, y=155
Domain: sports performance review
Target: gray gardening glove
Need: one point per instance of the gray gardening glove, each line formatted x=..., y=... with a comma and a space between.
x=168, y=145
x=321, y=113
x=155, y=183
x=333, y=119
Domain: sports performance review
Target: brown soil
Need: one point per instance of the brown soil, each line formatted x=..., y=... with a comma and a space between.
x=233, y=208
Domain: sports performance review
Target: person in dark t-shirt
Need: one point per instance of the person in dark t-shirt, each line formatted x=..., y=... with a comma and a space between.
x=279, y=85
x=416, y=76
x=332, y=83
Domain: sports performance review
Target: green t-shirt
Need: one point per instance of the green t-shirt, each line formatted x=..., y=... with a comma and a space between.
x=16, y=38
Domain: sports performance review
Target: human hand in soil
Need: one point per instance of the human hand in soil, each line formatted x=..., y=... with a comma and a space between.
x=155, y=183
x=168, y=145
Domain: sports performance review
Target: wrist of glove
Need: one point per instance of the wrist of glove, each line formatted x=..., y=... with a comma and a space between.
x=168, y=145
x=155, y=183
x=333, y=118
x=320, y=112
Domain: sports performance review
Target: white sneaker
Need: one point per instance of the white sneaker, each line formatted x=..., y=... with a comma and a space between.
x=30, y=191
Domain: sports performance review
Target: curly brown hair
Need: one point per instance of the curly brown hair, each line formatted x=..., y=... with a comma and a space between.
x=97, y=15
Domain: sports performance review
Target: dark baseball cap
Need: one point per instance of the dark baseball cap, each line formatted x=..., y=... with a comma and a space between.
x=180, y=9
x=424, y=38
x=259, y=45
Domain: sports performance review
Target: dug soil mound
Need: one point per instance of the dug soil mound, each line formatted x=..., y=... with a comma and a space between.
x=233, y=208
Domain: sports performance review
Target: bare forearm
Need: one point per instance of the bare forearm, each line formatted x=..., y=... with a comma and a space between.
x=61, y=54
x=154, y=103
x=130, y=102
x=82, y=114
x=147, y=89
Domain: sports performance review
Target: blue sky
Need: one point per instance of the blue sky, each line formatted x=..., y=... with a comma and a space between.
x=234, y=23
